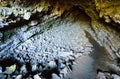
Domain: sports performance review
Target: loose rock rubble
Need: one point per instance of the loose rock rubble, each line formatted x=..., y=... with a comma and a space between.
x=105, y=75
x=50, y=53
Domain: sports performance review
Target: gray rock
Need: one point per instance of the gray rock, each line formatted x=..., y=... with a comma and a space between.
x=0, y=69
x=65, y=54
x=29, y=78
x=23, y=69
x=34, y=67
x=52, y=64
x=19, y=77
x=3, y=24
x=27, y=15
x=64, y=71
x=40, y=68
x=9, y=77
x=6, y=11
x=71, y=58
x=62, y=65
x=14, y=76
x=3, y=12
x=9, y=11
x=15, y=12
x=118, y=53
x=101, y=75
x=55, y=76
x=2, y=76
x=39, y=9
x=37, y=76
x=61, y=76
x=115, y=76
x=34, y=22
x=78, y=55
x=1, y=20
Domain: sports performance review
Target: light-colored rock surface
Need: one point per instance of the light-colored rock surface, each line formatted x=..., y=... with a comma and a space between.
x=19, y=77
x=54, y=76
x=27, y=15
x=37, y=77
x=115, y=76
x=101, y=75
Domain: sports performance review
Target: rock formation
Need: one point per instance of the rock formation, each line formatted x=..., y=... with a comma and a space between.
x=42, y=39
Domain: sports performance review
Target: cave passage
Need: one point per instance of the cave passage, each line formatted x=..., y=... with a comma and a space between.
x=59, y=39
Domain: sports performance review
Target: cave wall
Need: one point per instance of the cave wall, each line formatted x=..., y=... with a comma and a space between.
x=107, y=10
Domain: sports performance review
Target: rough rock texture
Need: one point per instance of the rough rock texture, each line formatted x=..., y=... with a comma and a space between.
x=109, y=10
x=41, y=39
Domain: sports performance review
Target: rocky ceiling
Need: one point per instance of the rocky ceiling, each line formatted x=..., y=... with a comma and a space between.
x=107, y=11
